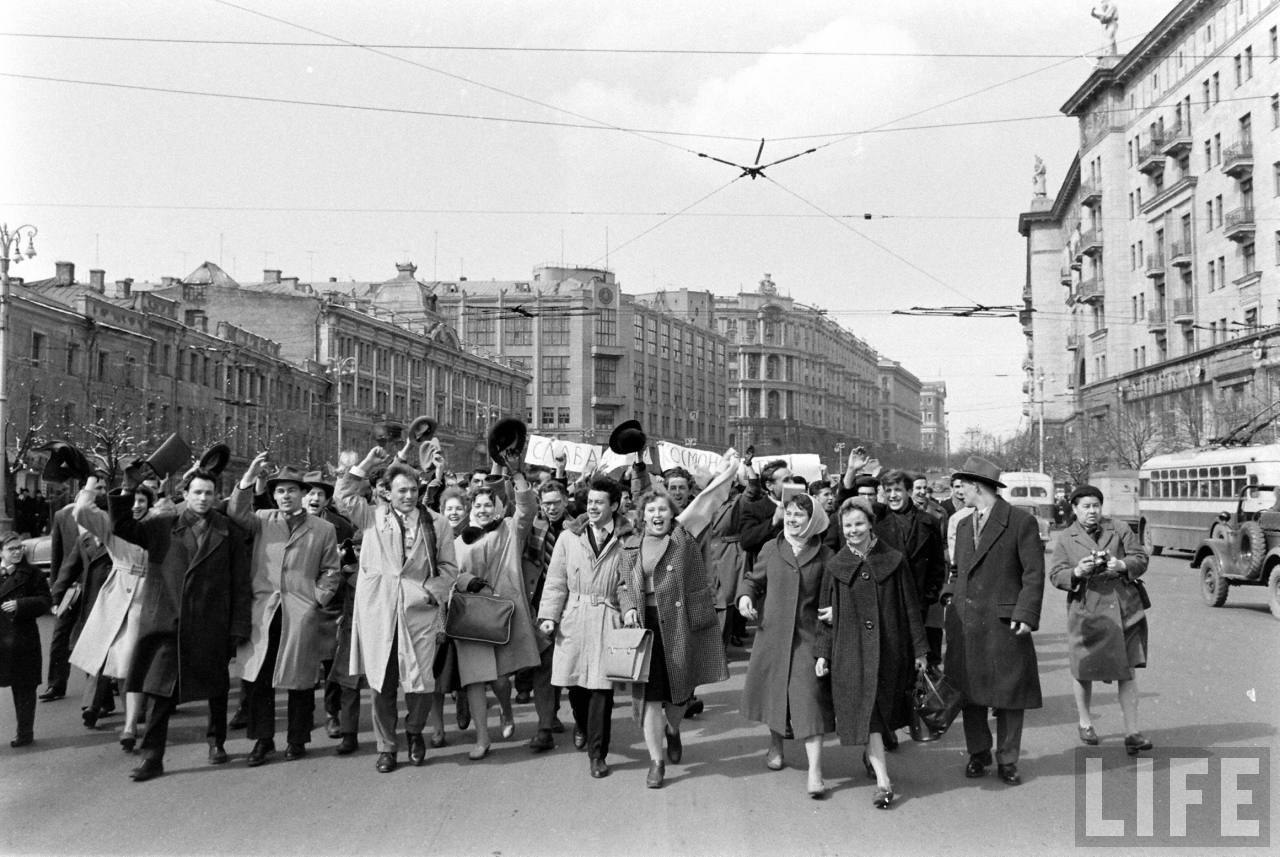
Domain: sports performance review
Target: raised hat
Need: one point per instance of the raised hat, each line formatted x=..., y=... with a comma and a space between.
x=422, y=429
x=506, y=435
x=172, y=456
x=628, y=437
x=65, y=463
x=979, y=469
x=216, y=458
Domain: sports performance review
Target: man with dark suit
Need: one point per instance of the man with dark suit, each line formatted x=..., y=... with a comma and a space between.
x=994, y=599
x=920, y=542
x=195, y=611
x=79, y=564
x=762, y=518
x=535, y=682
x=24, y=597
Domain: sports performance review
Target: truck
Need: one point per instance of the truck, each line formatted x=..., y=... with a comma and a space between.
x=1120, y=496
x=1032, y=492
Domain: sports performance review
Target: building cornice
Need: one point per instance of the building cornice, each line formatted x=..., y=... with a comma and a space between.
x=1056, y=212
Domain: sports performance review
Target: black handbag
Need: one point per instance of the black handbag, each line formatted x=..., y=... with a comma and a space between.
x=1142, y=594
x=935, y=704
x=479, y=618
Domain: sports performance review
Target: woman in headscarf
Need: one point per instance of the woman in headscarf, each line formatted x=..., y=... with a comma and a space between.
x=782, y=689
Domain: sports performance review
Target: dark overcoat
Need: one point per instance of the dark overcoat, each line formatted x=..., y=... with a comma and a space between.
x=686, y=611
x=920, y=542
x=876, y=633
x=195, y=601
x=758, y=527
x=77, y=558
x=781, y=684
x=1106, y=625
x=19, y=634
x=998, y=582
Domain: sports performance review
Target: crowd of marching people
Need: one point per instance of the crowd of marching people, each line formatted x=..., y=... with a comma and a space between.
x=427, y=589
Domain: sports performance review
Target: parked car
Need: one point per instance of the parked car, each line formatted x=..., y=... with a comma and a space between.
x=1243, y=549
x=39, y=552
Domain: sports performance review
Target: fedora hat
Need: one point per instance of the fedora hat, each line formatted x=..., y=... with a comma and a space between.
x=172, y=456
x=287, y=474
x=65, y=463
x=422, y=429
x=216, y=458
x=316, y=479
x=507, y=434
x=628, y=437
x=979, y=469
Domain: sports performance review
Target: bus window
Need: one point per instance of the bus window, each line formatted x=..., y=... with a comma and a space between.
x=1144, y=488
x=1037, y=491
x=1018, y=491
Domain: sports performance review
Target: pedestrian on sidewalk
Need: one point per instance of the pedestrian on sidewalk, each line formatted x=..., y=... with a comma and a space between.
x=24, y=597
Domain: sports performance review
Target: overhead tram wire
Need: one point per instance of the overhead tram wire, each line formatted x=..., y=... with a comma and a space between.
x=612, y=250
x=558, y=49
x=845, y=225
x=459, y=77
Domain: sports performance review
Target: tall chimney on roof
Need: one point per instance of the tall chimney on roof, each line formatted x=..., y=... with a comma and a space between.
x=123, y=288
x=291, y=282
x=271, y=275
x=97, y=279
x=66, y=272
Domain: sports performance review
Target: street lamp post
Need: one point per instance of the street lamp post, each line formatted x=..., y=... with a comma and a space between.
x=337, y=370
x=8, y=240
x=839, y=450
x=1041, y=380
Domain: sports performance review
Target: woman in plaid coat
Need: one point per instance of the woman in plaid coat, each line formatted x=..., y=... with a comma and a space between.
x=664, y=588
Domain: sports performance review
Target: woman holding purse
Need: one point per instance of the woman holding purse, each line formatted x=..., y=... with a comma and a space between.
x=782, y=690
x=663, y=586
x=871, y=628
x=579, y=608
x=1100, y=563
x=488, y=552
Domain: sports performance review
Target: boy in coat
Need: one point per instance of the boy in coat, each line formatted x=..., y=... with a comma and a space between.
x=24, y=596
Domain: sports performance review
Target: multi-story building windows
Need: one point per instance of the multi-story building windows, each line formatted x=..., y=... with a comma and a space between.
x=555, y=375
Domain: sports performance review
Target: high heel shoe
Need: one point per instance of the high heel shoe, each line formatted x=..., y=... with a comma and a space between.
x=438, y=740
x=819, y=791
x=657, y=773
x=883, y=798
x=128, y=741
x=773, y=761
x=478, y=752
x=508, y=728
x=866, y=764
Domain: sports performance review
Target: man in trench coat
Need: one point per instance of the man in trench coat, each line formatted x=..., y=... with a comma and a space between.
x=994, y=602
x=295, y=573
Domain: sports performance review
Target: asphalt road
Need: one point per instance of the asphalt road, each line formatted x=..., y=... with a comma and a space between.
x=1212, y=683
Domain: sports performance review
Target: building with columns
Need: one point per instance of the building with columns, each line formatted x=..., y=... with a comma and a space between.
x=799, y=382
x=933, y=419
x=1152, y=304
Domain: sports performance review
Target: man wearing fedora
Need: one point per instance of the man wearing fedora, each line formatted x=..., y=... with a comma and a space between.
x=993, y=599
x=295, y=574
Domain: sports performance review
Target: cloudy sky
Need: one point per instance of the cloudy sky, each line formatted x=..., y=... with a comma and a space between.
x=615, y=102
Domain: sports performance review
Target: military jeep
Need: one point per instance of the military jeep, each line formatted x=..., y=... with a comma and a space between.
x=1243, y=549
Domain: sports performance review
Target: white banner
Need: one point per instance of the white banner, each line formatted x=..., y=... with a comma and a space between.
x=579, y=457
x=613, y=463
x=806, y=464
x=702, y=463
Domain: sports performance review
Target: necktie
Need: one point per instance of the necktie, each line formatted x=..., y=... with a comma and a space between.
x=200, y=529
x=549, y=543
x=979, y=518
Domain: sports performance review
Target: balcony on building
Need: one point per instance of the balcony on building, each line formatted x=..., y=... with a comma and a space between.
x=1237, y=159
x=1155, y=266
x=1240, y=224
x=1180, y=253
x=599, y=349
x=1156, y=319
x=1091, y=241
x=608, y=400
x=1090, y=290
x=1074, y=341
x=1064, y=275
x=1090, y=193
x=1151, y=156
x=1250, y=279
x=1177, y=141
x=1183, y=310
